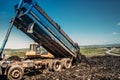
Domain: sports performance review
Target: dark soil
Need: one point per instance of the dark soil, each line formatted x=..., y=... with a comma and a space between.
x=91, y=68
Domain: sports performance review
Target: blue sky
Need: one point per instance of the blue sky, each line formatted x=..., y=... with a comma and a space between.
x=87, y=22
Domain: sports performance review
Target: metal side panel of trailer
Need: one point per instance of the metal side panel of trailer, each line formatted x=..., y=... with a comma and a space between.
x=45, y=31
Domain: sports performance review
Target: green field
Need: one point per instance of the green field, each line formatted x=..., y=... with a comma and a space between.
x=87, y=51
x=16, y=52
x=92, y=51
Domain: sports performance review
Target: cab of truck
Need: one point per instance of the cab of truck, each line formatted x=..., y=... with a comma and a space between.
x=36, y=51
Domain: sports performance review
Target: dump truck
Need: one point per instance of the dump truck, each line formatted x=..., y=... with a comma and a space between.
x=32, y=20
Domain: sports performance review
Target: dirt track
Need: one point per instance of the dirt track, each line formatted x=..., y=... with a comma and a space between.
x=92, y=68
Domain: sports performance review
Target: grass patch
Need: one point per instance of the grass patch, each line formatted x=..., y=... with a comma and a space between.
x=92, y=51
x=20, y=54
x=87, y=51
x=15, y=52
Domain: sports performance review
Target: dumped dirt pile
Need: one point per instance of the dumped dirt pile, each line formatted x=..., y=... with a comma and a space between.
x=92, y=68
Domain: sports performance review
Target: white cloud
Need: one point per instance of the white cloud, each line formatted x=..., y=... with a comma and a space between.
x=118, y=23
x=114, y=33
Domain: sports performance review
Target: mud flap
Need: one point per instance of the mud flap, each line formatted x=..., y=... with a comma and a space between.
x=76, y=59
x=0, y=71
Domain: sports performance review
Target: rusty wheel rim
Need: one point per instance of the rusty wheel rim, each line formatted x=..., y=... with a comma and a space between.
x=15, y=74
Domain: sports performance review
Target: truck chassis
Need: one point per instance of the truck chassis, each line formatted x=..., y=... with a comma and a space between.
x=14, y=70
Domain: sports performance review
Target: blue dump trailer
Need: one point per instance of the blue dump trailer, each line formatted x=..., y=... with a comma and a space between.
x=35, y=23
x=45, y=31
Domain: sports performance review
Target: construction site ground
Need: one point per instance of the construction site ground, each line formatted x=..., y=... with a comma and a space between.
x=91, y=68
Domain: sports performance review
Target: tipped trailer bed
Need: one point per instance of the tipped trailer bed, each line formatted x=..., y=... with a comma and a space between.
x=45, y=31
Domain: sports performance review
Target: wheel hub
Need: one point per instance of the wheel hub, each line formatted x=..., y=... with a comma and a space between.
x=15, y=74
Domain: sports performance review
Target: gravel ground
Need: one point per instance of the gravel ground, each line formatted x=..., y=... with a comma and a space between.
x=91, y=68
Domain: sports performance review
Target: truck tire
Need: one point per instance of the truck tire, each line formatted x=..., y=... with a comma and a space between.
x=57, y=65
x=15, y=73
x=67, y=63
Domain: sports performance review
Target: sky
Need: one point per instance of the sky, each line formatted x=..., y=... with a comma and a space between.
x=87, y=22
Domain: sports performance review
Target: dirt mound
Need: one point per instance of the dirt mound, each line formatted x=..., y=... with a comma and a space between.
x=92, y=68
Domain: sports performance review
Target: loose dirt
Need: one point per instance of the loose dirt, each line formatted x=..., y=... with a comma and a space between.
x=91, y=68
